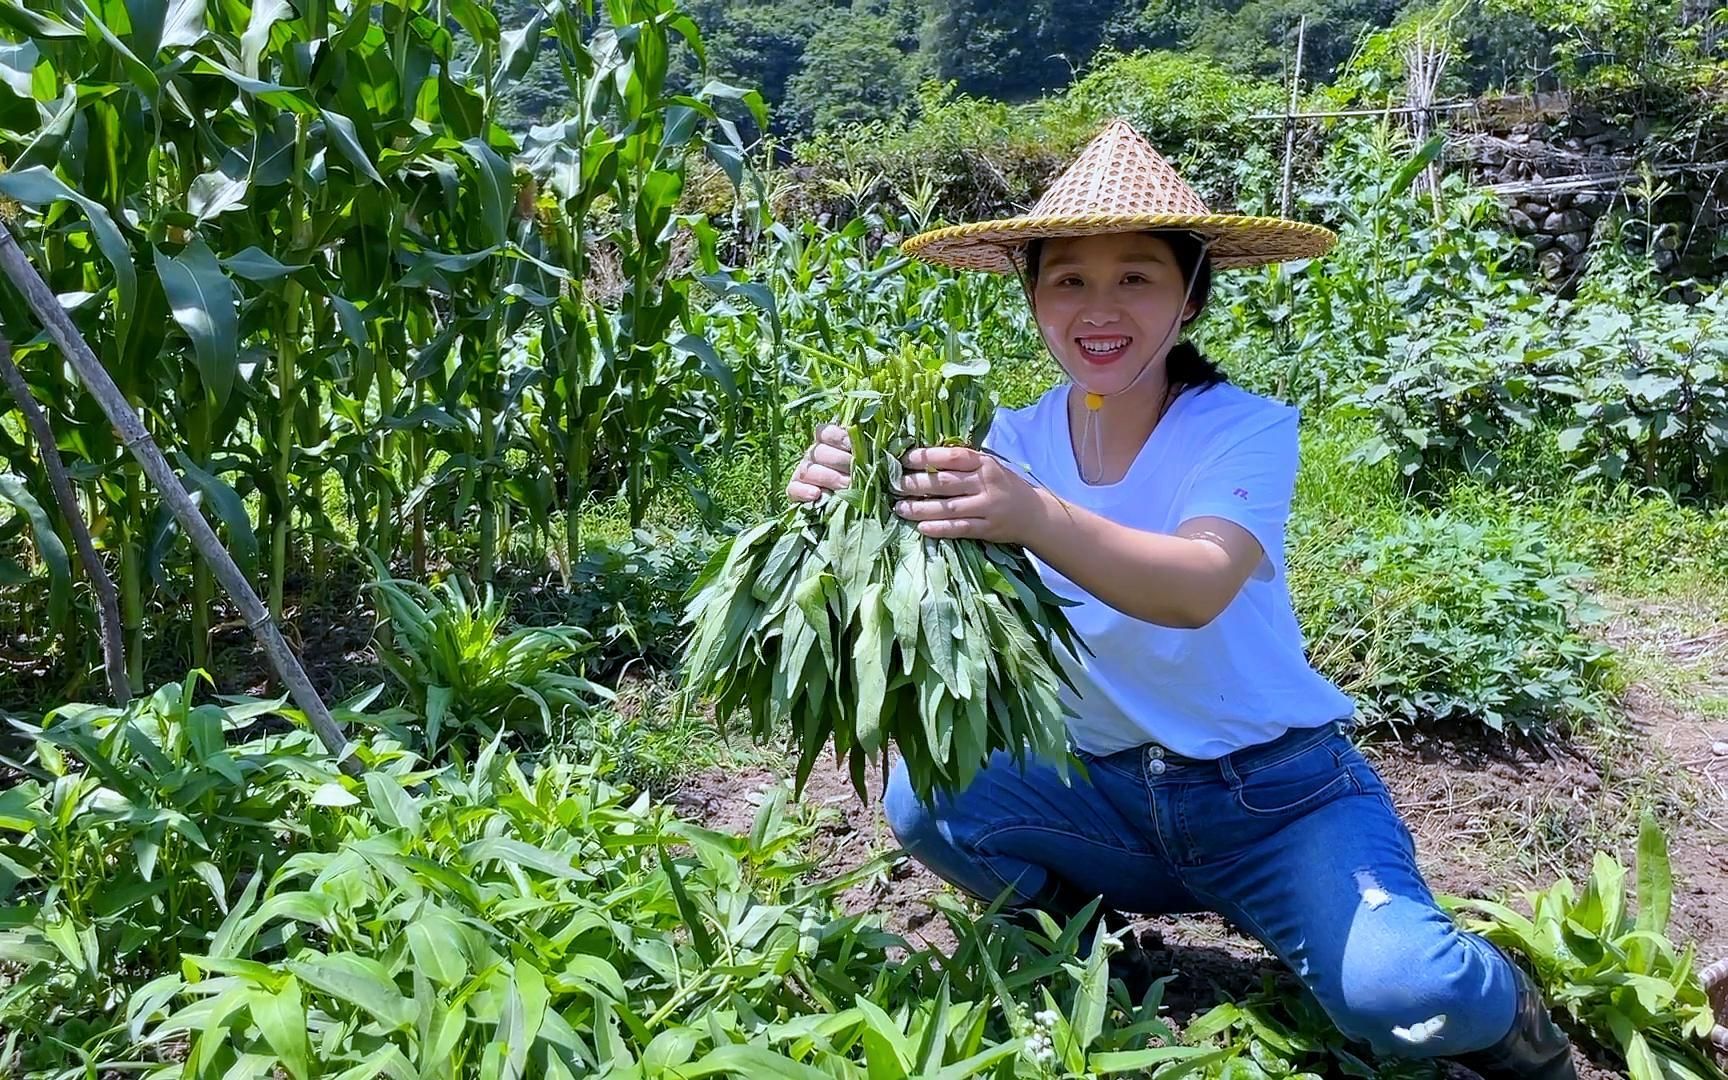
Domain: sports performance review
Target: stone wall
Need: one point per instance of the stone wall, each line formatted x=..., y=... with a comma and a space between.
x=1568, y=176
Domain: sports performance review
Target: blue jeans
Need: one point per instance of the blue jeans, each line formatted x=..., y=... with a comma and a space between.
x=1294, y=841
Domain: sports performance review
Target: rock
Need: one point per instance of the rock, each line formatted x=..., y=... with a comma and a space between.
x=1575, y=145
x=1518, y=137
x=1666, y=260
x=1553, y=263
x=1540, y=241
x=1719, y=748
x=1574, y=242
x=1565, y=221
x=1562, y=200
x=1590, y=202
x=1520, y=221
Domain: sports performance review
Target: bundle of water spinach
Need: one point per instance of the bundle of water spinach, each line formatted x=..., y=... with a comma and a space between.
x=838, y=622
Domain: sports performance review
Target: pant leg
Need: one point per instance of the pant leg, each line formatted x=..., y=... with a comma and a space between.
x=1309, y=855
x=1015, y=828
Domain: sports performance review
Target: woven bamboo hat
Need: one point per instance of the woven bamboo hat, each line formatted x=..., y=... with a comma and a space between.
x=1119, y=183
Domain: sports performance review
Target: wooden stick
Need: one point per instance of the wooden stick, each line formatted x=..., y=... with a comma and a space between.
x=107, y=600
x=1388, y=111
x=1290, y=120
x=137, y=440
x=1599, y=181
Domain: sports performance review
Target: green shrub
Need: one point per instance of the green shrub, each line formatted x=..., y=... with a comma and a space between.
x=626, y=593
x=1440, y=618
x=467, y=678
x=1193, y=109
x=1613, y=971
x=137, y=829
x=988, y=157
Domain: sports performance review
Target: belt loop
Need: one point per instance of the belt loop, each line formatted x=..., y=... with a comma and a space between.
x=1227, y=769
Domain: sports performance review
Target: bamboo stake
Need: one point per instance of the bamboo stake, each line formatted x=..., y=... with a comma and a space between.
x=107, y=599
x=1388, y=111
x=1290, y=120
x=142, y=447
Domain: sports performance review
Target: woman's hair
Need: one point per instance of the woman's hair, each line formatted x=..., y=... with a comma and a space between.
x=1185, y=365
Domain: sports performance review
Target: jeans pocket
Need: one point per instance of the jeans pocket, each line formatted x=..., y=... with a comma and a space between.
x=1295, y=784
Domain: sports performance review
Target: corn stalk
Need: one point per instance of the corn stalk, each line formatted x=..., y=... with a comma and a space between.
x=143, y=449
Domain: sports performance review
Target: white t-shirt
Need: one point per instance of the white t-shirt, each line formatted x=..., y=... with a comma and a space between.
x=1244, y=677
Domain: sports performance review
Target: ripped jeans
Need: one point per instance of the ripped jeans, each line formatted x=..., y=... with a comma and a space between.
x=1294, y=841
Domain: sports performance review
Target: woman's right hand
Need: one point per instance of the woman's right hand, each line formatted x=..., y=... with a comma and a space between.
x=826, y=466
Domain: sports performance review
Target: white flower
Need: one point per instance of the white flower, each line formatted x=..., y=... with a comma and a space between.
x=1046, y=1018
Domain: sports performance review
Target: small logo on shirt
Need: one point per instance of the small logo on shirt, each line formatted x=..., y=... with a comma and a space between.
x=1240, y=493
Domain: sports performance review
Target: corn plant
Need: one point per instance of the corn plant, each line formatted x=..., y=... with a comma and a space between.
x=311, y=262
x=46, y=555
x=1612, y=969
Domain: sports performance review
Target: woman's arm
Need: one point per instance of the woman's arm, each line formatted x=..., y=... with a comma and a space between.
x=1181, y=580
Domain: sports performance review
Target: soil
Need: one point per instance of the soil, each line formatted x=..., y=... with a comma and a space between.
x=1491, y=815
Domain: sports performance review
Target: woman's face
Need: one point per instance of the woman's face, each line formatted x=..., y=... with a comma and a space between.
x=1105, y=305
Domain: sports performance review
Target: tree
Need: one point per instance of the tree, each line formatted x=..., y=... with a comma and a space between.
x=1017, y=51
x=861, y=66
x=760, y=44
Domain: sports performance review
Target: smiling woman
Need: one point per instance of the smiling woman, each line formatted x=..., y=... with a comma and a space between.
x=1091, y=296
x=1154, y=496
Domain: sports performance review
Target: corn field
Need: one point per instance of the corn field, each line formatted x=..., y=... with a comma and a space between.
x=352, y=307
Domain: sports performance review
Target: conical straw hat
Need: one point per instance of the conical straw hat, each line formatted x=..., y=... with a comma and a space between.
x=1119, y=183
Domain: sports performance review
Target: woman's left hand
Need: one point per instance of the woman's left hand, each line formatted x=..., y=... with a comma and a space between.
x=969, y=494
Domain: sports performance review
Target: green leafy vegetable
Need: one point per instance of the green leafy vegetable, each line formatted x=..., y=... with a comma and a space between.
x=838, y=622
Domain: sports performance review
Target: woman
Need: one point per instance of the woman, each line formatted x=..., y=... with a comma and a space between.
x=1155, y=494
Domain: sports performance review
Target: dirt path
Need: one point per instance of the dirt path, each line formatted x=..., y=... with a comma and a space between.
x=1676, y=651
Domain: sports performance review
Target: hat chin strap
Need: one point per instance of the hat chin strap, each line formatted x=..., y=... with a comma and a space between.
x=1092, y=428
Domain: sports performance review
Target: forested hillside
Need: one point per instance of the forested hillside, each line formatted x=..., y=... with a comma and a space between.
x=823, y=63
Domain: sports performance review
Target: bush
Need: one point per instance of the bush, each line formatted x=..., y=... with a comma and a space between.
x=1422, y=322
x=987, y=157
x=1193, y=110
x=628, y=593
x=1439, y=618
x=978, y=156
x=139, y=827
x=466, y=678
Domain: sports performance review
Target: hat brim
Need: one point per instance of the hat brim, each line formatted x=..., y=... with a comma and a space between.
x=1237, y=240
